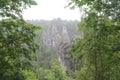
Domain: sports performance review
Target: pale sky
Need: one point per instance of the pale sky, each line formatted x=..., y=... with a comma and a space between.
x=50, y=9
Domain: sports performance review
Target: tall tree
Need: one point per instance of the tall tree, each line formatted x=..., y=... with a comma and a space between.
x=99, y=50
x=17, y=44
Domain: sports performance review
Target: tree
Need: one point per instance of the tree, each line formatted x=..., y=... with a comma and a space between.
x=17, y=40
x=14, y=8
x=98, y=48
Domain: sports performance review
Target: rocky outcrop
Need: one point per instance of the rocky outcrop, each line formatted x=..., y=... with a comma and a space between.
x=53, y=36
x=64, y=60
x=57, y=34
x=63, y=54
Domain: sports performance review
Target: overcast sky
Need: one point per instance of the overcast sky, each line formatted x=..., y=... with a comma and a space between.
x=50, y=9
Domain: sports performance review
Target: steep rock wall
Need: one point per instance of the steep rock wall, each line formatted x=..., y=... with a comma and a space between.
x=64, y=60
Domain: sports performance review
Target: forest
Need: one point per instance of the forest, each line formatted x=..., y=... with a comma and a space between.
x=58, y=49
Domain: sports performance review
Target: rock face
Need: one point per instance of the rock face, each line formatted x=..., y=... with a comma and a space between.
x=53, y=36
x=60, y=40
x=63, y=54
x=58, y=37
x=64, y=60
x=57, y=34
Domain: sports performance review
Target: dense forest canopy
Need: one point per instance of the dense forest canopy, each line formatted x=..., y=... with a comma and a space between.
x=60, y=49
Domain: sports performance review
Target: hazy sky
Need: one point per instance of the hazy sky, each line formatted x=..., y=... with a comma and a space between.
x=50, y=9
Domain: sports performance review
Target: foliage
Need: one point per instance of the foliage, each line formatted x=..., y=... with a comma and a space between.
x=96, y=52
x=17, y=40
x=29, y=75
x=14, y=8
x=54, y=73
